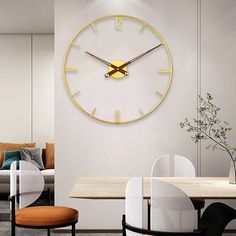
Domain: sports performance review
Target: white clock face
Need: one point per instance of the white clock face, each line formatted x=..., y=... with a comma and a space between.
x=104, y=77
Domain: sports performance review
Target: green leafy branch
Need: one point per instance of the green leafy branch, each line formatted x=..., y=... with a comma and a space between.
x=210, y=127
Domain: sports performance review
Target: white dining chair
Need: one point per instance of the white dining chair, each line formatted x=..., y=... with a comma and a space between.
x=172, y=166
x=172, y=212
x=171, y=208
x=177, y=166
x=27, y=184
x=134, y=203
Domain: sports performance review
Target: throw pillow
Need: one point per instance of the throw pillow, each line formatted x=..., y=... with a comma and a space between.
x=32, y=155
x=9, y=157
x=12, y=146
x=49, y=155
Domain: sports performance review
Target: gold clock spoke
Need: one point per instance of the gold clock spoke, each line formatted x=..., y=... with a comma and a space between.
x=76, y=45
x=119, y=21
x=93, y=112
x=159, y=94
x=93, y=26
x=141, y=112
x=71, y=69
x=76, y=94
x=143, y=26
x=165, y=70
x=117, y=116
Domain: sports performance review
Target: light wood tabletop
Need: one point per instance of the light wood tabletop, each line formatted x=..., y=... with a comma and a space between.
x=114, y=187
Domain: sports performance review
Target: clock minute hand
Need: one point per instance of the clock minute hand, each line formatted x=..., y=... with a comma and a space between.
x=106, y=62
x=130, y=61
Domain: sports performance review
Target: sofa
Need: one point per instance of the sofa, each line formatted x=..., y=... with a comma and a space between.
x=48, y=175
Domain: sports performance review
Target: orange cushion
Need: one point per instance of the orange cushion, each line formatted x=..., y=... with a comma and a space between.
x=13, y=146
x=43, y=216
x=49, y=156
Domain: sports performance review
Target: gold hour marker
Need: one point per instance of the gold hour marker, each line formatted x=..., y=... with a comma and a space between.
x=165, y=70
x=76, y=94
x=76, y=45
x=93, y=26
x=93, y=112
x=71, y=69
x=141, y=112
x=144, y=24
x=117, y=116
x=119, y=21
x=159, y=93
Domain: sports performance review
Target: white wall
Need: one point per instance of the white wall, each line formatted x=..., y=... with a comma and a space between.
x=88, y=148
x=218, y=73
x=43, y=89
x=15, y=88
x=27, y=88
x=26, y=17
x=218, y=34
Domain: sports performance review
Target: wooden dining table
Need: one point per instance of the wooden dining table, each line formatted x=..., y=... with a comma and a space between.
x=114, y=187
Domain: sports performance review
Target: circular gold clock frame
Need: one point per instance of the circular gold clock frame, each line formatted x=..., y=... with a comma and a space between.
x=156, y=32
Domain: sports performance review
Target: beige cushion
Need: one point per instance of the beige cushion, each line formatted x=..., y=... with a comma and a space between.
x=49, y=156
x=12, y=146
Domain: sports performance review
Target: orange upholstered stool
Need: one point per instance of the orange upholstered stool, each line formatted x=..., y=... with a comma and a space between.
x=27, y=189
x=46, y=216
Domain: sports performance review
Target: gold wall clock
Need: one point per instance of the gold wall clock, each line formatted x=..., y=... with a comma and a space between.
x=117, y=69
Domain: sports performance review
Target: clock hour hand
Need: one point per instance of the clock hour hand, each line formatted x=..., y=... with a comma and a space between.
x=106, y=62
x=130, y=61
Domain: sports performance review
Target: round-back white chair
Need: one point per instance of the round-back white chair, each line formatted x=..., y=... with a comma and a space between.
x=172, y=165
x=172, y=211
x=177, y=166
x=134, y=203
x=31, y=185
x=171, y=208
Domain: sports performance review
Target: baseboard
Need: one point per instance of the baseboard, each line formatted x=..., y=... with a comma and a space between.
x=230, y=231
x=112, y=231
x=90, y=231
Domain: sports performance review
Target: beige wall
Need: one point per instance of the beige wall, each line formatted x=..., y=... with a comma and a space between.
x=15, y=88
x=43, y=89
x=88, y=148
x=27, y=88
x=201, y=37
x=218, y=73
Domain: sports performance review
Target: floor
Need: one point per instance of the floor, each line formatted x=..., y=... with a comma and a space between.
x=5, y=227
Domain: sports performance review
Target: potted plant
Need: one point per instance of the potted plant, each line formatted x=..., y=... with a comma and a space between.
x=209, y=127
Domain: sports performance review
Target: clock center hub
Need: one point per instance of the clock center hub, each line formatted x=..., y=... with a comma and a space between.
x=118, y=75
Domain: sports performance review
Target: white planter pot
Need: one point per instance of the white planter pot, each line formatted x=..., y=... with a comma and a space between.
x=232, y=173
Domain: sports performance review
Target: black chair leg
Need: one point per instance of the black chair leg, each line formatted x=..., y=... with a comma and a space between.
x=216, y=217
x=49, y=196
x=198, y=218
x=13, y=229
x=73, y=230
x=149, y=215
x=123, y=226
x=48, y=231
x=13, y=218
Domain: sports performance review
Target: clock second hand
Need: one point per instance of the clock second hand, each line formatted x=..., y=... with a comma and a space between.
x=130, y=61
x=106, y=62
